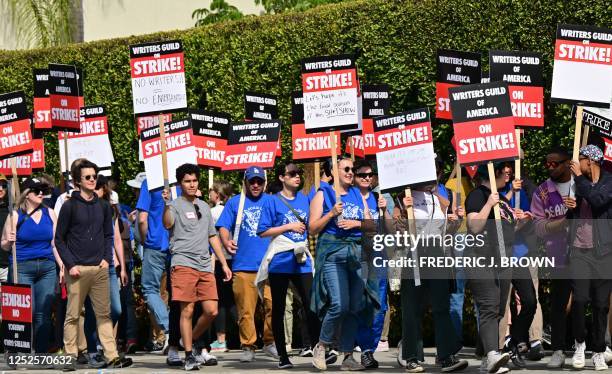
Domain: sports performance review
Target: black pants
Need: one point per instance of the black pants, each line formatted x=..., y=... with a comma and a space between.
x=278, y=287
x=227, y=305
x=589, y=287
x=128, y=326
x=560, y=291
x=174, y=315
x=490, y=294
x=523, y=286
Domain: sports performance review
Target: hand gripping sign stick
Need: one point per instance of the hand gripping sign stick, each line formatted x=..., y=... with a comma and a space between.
x=496, y=212
x=577, y=133
x=164, y=154
x=517, y=170
x=13, y=195
x=412, y=231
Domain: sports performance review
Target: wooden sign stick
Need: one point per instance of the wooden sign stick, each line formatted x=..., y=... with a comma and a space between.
x=211, y=176
x=236, y=233
x=352, y=147
x=577, y=133
x=517, y=170
x=332, y=141
x=164, y=153
x=457, y=185
x=412, y=231
x=13, y=196
x=317, y=176
x=497, y=212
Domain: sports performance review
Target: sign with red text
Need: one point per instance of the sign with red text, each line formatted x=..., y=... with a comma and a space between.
x=147, y=122
x=261, y=107
x=309, y=147
x=23, y=164
x=582, y=72
x=158, y=77
x=404, y=142
x=64, y=97
x=454, y=68
x=42, y=103
x=483, y=123
x=376, y=100
x=38, y=149
x=91, y=142
x=15, y=130
x=210, y=131
x=180, y=149
x=523, y=73
x=330, y=89
x=17, y=305
x=252, y=143
x=608, y=149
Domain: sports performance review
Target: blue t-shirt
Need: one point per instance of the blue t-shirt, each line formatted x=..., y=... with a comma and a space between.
x=276, y=213
x=352, y=204
x=313, y=190
x=34, y=239
x=372, y=206
x=251, y=248
x=520, y=247
x=153, y=203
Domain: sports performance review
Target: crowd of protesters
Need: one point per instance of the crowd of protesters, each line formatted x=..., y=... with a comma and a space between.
x=207, y=263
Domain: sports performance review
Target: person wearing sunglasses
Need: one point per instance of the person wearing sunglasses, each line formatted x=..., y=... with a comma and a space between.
x=4, y=211
x=84, y=240
x=549, y=213
x=339, y=291
x=285, y=219
x=191, y=227
x=31, y=232
x=247, y=253
x=590, y=254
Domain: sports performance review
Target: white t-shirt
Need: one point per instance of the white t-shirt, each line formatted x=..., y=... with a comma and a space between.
x=566, y=188
x=430, y=219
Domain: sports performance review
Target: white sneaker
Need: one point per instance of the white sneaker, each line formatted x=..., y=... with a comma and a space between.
x=206, y=358
x=173, y=358
x=382, y=346
x=608, y=356
x=496, y=361
x=599, y=361
x=483, y=368
x=318, y=357
x=357, y=349
x=270, y=350
x=578, y=358
x=248, y=355
x=557, y=360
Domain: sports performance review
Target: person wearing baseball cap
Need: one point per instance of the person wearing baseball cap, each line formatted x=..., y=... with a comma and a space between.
x=248, y=251
x=591, y=252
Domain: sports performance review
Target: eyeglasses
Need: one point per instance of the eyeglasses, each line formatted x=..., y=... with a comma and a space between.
x=349, y=169
x=257, y=181
x=294, y=173
x=197, y=209
x=365, y=175
x=3, y=186
x=553, y=164
x=90, y=177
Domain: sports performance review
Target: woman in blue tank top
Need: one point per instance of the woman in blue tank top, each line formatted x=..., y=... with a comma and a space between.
x=31, y=232
x=338, y=292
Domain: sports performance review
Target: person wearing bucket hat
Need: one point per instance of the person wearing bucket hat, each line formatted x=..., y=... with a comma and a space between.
x=247, y=253
x=591, y=252
x=31, y=232
x=4, y=256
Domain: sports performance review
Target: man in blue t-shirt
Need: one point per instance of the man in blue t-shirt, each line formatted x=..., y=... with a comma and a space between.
x=247, y=252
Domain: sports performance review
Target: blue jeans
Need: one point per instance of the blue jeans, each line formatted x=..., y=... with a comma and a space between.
x=41, y=274
x=346, y=289
x=90, y=316
x=368, y=334
x=153, y=266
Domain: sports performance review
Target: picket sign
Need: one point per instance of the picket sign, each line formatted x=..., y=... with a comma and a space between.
x=164, y=153
x=332, y=142
x=412, y=231
x=496, y=211
x=517, y=170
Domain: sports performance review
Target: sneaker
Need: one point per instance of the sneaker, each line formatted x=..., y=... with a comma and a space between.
x=270, y=350
x=451, y=363
x=496, y=360
x=557, y=360
x=205, y=358
x=599, y=361
x=413, y=366
x=191, y=363
x=284, y=363
x=331, y=357
x=96, y=361
x=536, y=352
x=350, y=364
x=608, y=356
x=517, y=358
x=368, y=361
x=83, y=358
x=218, y=346
x=70, y=365
x=319, y=360
x=305, y=352
x=157, y=347
x=248, y=355
x=130, y=347
x=578, y=359
x=383, y=346
x=173, y=358
x=357, y=349
x=120, y=362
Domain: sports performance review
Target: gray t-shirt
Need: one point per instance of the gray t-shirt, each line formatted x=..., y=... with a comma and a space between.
x=189, y=235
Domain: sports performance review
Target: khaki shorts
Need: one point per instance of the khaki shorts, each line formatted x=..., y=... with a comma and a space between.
x=190, y=285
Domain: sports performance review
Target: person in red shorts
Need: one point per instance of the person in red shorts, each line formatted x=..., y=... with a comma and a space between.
x=191, y=229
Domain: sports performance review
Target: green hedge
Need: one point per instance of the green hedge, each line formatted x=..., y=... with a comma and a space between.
x=396, y=40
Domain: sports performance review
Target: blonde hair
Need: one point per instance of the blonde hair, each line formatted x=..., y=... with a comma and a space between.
x=21, y=202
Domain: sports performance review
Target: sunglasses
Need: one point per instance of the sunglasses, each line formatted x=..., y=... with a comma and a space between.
x=197, y=209
x=257, y=181
x=349, y=169
x=294, y=173
x=553, y=164
x=365, y=175
x=90, y=177
x=3, y=186
x=38, y=191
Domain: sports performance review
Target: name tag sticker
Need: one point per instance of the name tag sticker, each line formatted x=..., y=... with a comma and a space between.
x=190, y=215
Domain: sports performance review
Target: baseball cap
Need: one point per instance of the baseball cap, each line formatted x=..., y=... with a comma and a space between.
x=254, y=172
x=33, y=183
x=3, y=178
x=137, y=181
x=592, y=152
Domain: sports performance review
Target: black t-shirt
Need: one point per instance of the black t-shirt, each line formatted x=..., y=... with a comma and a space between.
x=4, y=255
x=475, y=201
